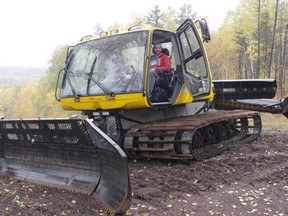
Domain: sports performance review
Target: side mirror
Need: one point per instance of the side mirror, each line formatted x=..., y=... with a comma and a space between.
x=204, y=30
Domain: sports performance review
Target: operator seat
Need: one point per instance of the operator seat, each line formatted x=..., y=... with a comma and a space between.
x=166, y=51
x=163, y=88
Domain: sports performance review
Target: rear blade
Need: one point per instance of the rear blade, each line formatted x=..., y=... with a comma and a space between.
x=67, y=153
x=261, y=105
x=244, y=89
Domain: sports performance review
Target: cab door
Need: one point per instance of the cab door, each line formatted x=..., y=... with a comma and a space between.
x=194, y=61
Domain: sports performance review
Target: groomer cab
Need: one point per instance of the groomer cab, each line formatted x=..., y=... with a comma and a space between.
x=111, y=71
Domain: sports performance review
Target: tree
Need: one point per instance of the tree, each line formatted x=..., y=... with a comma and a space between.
x=185, y=13
x=258, y=40
x=265, y=36
x=154, y=16
x=115, y=26
x=170, y=19
x=282, y=63
x=136, y=19
x=22, y=105
x=273, y=39
x=222, y=52
x=98, y=29
x=47, y=85
x=245, y=28
x=7, y=99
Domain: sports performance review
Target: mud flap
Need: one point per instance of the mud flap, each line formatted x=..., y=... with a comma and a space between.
x=68, y=153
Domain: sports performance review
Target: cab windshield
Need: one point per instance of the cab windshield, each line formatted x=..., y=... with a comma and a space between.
x=109, y=65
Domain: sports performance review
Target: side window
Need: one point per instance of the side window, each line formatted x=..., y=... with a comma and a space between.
x=192, y=40
x=185, y=45
x=196, y=67
x=193, y=58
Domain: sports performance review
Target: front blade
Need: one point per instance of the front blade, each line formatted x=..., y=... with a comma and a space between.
x=67, y=153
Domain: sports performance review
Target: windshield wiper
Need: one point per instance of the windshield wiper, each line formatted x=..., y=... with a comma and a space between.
x=99, y=84
x=90, y=75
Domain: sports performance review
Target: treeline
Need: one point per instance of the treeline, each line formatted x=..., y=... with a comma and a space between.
x=250, y=44
x=12, y=76
x=36, y=100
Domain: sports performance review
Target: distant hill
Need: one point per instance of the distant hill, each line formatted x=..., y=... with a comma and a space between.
x=20, y=75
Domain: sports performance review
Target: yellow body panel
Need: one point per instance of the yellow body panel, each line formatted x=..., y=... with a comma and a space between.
x=185, y=97
x=121, y=101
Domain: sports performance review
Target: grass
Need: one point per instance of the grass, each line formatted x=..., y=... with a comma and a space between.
x=274, y=122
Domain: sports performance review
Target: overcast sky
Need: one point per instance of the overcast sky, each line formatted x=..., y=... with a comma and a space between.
x=31, y=29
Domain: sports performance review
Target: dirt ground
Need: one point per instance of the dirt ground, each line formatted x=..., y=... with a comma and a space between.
x=250, y=179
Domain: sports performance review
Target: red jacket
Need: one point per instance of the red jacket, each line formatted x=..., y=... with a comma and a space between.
x=164, y=63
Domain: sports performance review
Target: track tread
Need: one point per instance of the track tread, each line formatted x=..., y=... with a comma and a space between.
x=147, y=140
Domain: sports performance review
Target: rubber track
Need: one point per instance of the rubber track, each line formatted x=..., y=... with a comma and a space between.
x=199, y=137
